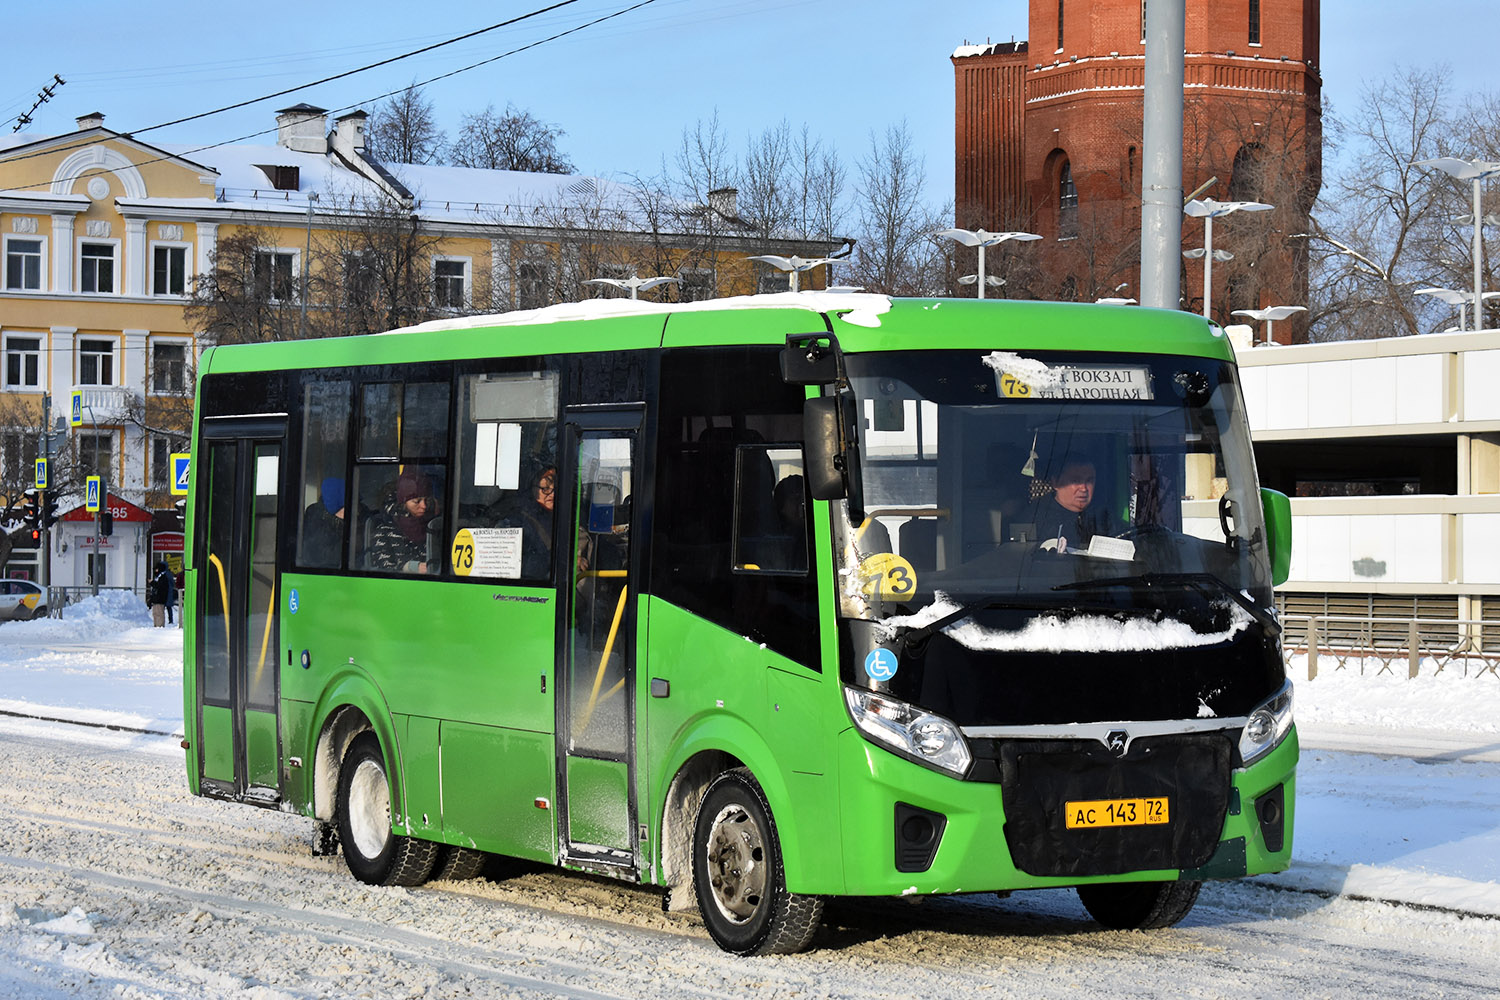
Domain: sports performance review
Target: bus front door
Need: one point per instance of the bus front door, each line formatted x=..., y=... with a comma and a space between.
x=596, y=642
x=237, y=641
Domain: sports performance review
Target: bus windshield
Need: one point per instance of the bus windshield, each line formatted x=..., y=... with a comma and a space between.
x=1114, y=484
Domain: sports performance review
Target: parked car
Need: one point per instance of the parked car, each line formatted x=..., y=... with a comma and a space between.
x=21, y=600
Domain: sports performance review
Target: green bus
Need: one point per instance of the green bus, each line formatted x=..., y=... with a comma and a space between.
x=759, y=600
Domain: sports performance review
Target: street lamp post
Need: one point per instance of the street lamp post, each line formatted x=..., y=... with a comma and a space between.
x=1207, y=209
x=981, y=239
x=1453, y=297
x=634, y=284
x=1474, y=171
x=1270, y=315
x=795, y=266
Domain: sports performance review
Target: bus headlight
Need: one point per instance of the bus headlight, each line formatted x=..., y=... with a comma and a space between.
x=1268, y=725
x=908, y=730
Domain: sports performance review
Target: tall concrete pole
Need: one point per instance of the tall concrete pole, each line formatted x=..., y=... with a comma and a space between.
x=1161, y=174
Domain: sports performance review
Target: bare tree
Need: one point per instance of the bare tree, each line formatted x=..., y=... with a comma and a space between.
x=896, y=252
x=766, y=186
x=509, y=140
x=249, y=294
x=374, y=269
x=1371, y=244
x=404, y=129
x=820, y=189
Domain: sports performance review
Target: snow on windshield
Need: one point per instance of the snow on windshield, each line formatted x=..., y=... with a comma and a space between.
x=1057, y=634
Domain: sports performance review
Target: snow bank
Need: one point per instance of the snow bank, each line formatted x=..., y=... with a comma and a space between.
x=1446, y=700
x=98, y=617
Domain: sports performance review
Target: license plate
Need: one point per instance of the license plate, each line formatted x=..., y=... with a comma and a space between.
x=1115, y=812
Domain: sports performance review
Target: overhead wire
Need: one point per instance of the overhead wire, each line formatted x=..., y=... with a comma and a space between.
x=338, y=76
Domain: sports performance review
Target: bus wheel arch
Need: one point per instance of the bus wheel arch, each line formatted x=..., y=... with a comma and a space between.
x=339, y=730
x=679, y=814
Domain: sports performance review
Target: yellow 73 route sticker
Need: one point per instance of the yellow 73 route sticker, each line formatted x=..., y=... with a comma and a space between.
x=888, y=577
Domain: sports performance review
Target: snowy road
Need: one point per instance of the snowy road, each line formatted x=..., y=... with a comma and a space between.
x=114, y=882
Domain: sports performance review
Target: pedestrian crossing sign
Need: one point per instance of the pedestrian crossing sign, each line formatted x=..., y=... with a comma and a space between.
x=91, y=496
x=180, y=464
x=75, y=412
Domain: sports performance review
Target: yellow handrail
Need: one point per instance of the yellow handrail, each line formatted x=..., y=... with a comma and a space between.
x=609, y=645
x=266, y=638
x=223, y=603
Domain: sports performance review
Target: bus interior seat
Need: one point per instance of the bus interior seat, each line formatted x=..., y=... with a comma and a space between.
x=918, y=542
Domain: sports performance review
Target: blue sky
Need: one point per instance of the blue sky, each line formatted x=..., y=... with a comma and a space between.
x=625, y=89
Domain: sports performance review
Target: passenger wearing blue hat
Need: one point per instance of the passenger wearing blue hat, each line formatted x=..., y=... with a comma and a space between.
x=322, y=539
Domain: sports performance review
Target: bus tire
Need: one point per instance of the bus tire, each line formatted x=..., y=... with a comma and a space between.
x=738, y=875
x=1139, y=905
x=455, y=864
x=374, y=853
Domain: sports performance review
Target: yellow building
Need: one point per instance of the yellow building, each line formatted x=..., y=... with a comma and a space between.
x=106, y=237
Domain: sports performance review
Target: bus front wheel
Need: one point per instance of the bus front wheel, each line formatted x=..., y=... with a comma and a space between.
x=373, y=852
x=1139, y=905
x=738, y=875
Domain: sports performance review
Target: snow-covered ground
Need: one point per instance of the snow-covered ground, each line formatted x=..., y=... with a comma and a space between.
x=1398, y=795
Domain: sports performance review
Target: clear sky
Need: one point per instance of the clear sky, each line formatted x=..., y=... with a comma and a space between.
x=623, y=90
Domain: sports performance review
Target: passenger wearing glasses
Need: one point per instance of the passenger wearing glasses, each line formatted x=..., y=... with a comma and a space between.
x=400, y=539
x=535, y=522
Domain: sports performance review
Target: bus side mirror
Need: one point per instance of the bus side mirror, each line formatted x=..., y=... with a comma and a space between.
x=831, y=444
x=1277, y=510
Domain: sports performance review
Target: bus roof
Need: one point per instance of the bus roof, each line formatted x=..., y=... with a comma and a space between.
x=862, y=322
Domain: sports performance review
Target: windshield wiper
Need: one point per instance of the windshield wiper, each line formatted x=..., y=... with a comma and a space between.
x=1198, y=581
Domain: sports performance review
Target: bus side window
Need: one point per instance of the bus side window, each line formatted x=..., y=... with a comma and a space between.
x=505, y=469
x=322, y=523
x=401, y=477
x=770, y=510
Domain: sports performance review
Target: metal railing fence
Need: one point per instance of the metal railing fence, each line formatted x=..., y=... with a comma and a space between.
x=1385, y=644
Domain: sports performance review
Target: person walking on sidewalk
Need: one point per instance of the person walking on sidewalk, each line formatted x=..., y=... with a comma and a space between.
x=159, y=593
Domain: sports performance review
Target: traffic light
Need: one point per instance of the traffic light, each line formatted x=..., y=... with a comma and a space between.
x=49, y=509
x=31, y=511
x=36, y=538
x=106, y=523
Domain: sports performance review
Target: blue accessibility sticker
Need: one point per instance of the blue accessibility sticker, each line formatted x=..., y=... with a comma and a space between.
x=881, y=664
x=293, y=601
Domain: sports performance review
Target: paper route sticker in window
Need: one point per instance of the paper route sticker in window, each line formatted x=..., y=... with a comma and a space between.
x=487, y=552
x=1018, y=377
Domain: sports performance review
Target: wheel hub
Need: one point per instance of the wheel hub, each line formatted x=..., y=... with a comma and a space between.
x=736, y=864
x=369, y=808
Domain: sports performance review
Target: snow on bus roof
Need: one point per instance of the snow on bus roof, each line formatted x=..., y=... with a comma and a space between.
x=859, y=308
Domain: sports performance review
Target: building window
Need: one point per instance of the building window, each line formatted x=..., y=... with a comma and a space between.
x=169, y=270
x=162, y=447
x=1059, y=25
x=697, y=284
x=23, y=264
x=1254, y=22
x=360, y=279
x=169, y=368
x=96, y=271
x=96, y=362
x=450, y=283
x=19, y=448
x=23, y=362
x=1067, y=203
x=274, y=274
x=96, y=453
x=774, y=281
x=531, y=284
x=1143, y=22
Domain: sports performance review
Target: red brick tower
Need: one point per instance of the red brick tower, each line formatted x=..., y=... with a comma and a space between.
x=1048, y=139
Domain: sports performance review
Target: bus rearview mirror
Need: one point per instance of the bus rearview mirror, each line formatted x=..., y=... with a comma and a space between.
x=831, y=444
x=1277, y=510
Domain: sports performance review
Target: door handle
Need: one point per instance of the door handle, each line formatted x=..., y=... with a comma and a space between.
x=660, y=688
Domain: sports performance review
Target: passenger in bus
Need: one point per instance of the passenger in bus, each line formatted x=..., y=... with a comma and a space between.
x=400, y=537
x=323, y=526
x=1066, y=518
x=535, y=521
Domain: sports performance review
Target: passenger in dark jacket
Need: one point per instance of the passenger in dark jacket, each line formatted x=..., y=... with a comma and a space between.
x=400, y=539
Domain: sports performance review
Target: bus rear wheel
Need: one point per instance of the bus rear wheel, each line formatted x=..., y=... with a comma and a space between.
x=738, y=875
x=1139, y=905
x=373, y=852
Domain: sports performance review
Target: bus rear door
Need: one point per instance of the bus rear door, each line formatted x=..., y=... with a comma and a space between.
x=596, y=640
x=237, y=641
